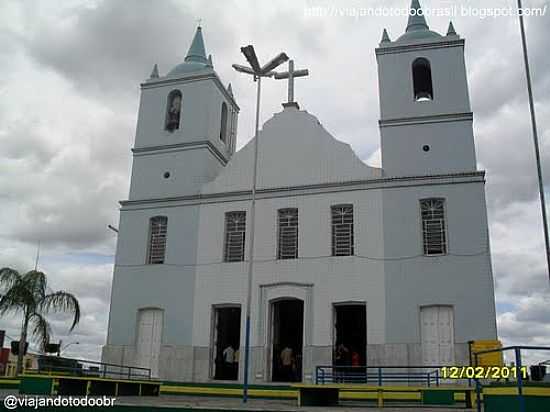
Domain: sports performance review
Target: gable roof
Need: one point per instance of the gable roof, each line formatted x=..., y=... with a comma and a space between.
x=294, y=150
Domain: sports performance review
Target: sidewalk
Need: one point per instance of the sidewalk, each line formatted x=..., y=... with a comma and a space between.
x=218, y=404
x=265, y=405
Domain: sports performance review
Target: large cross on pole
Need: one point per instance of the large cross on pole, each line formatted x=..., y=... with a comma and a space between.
x=291, y=74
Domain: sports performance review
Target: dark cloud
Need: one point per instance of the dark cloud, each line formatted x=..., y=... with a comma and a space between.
x=113, y=45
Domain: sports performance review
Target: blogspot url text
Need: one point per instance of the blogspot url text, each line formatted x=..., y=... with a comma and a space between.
x=449, y=11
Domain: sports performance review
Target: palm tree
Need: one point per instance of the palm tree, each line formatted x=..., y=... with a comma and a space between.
x=28, y=295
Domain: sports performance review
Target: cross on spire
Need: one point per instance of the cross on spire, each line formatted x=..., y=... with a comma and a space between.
x=291, y=74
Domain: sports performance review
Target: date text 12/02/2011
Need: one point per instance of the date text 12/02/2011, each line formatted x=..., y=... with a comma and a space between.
x=482, y=372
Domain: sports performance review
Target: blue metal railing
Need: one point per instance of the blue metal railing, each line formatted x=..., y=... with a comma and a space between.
x=378, y=375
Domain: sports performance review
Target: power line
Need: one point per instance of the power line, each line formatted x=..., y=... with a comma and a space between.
x=374, y=258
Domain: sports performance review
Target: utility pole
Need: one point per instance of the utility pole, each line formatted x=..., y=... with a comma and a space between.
x=535, y=138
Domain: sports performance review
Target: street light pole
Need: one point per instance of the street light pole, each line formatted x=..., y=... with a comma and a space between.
x=251, y=244
x=535, y=138
x=257, y=72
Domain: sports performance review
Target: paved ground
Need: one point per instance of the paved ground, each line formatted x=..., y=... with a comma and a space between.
x=264, y=405
x=260, y=405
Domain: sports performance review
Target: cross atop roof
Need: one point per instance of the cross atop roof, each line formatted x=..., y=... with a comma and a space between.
x=291, y=74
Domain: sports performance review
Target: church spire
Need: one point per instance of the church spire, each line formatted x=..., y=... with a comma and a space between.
x=197, y=52
x=385, y=37
x=196, y=59
x=451, y=30
x=155, y=72
x=417, y=21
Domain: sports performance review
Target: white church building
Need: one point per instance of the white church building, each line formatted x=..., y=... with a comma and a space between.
x=393, y=262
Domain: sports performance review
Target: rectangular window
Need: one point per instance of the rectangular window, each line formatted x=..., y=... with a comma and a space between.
x=288, y=234
x=342, y=230
x=433, y=226
x=157, y=239
x=235, y=227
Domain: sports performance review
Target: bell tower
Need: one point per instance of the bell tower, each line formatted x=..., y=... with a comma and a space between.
x=186, y=128
x=425, y=115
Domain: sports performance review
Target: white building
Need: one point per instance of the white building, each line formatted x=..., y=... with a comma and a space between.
x=394, y=263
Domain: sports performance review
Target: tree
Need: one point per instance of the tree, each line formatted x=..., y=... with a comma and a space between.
x=28, y=295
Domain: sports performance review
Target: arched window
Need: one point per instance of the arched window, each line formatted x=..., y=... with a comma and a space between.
x=158, y=227
x=342, y=230
x=235, y=230
x=287, y=233
x=422, y=80
x=223, y=125
x=433, y=226
x=173, y=110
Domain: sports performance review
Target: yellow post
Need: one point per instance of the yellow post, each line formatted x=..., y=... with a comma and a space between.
x=380, y=393
x=55, y=386
x=469, y=398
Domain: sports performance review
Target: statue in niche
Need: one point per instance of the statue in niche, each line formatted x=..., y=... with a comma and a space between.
x=174, y=111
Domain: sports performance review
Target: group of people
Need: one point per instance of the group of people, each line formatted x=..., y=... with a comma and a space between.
x=287, y=361
x=346, y=361
x=227, y=365
x=346, y=357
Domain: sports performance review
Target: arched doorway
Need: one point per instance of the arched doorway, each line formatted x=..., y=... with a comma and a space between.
x=287, y=334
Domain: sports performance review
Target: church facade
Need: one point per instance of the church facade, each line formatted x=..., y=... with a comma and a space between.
x=393, y=264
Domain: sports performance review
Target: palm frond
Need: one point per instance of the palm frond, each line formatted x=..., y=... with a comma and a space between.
x=36, y=282
x=40, y=329
x=8, y=278
x=61, y=301
x=16, y=299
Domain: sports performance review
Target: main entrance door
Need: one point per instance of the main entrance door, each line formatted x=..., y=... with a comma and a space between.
x=287, y=331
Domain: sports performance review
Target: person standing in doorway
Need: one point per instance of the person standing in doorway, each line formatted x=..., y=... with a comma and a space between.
x=287, y=362
x=228, y=360
x=341, y=360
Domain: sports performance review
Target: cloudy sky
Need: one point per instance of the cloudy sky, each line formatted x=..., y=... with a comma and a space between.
x=69, y=92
